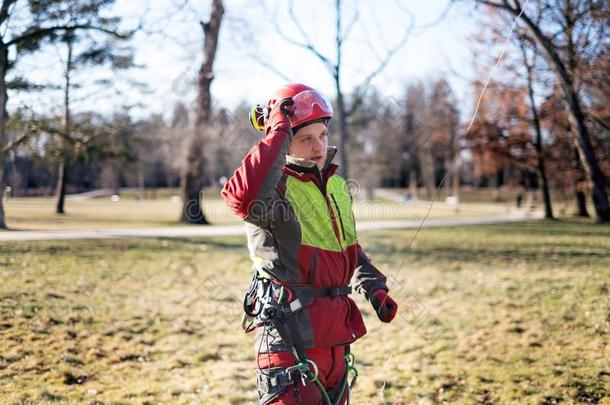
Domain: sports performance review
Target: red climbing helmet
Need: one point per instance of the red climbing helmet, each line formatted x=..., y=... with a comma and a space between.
x=309, y=105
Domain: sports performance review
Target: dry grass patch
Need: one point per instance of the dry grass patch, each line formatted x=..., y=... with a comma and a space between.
x=514, y=313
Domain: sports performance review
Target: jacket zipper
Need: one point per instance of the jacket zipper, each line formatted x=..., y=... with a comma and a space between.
x=322, y=189
x=332, y=217
x=339, y=214
x=334, y=220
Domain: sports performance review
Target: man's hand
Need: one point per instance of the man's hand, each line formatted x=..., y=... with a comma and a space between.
x=286, y=106
x=385, y=307
x=279, y=114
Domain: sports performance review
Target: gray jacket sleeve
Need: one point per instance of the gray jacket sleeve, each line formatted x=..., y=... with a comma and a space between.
x=251, y=192
x=367, y=278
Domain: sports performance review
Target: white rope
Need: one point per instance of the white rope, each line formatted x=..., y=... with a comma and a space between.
x=489, y=77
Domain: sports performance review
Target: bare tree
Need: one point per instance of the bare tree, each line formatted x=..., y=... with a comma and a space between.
x=563, y=50
x=417, y=133
x=431, y=123
x=446, y=142
x=193, y=172
x=565, y=168
x=529, y=63
x=334, y=67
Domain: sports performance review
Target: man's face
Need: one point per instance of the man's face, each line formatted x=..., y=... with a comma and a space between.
x=310, y=142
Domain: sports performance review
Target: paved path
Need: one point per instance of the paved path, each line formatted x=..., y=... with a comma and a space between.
x=233, y=230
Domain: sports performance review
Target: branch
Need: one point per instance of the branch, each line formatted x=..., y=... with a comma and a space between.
x=48, y=127
x=166, y=18
x=6, y=4
x=246, y=42
x=21, y=139
x=350, y=25
x=43, y=32
x=269, y=66
x=517, y=5
x=87, y=141
x=360, y=88
x=437, y=20
x=297, y=24
x=496, y=5
x=338, y=41
x=599, y=121
x=307, y=44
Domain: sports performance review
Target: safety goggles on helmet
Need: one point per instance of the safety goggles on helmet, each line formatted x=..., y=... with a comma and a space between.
x=309, y=105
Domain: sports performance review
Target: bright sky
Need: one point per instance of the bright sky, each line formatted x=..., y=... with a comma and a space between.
x=170, y=56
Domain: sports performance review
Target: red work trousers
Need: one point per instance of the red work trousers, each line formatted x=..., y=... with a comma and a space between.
x=331, y=369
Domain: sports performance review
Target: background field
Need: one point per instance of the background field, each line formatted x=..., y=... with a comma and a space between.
x=513, y=313
x=159, y=209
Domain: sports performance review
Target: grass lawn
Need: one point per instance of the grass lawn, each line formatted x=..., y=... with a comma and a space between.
x=515, y=313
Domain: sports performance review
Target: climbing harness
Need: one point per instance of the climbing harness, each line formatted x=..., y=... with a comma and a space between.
x=269, y=303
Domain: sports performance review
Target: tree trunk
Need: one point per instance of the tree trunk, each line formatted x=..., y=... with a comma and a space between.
x=426, y=166
x=546, y=196
x=194, y=168
x=60, y=190
x=341, y=113
x=453, y=167
x=579, y=186
x=413, y=183
x=447, y=175
x=3, y=118
x=118, y=178
x=342, y=123
x=495, y=186
x=581, y=201
x=455, y=177
x=141, y=184
x=62, y=174
x=591, y=166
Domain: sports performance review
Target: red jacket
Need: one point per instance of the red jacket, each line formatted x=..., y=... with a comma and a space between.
x=301, y=231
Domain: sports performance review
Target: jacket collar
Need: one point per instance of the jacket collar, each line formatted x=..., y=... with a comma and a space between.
x=307, y=170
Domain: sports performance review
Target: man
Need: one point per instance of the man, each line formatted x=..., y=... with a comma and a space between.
x=303, y=244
